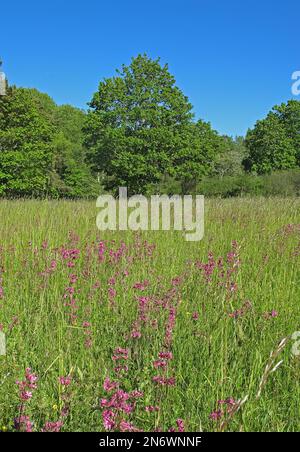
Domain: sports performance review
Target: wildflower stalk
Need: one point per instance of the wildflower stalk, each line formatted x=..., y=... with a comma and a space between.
x=271, y=367
x=233, y=411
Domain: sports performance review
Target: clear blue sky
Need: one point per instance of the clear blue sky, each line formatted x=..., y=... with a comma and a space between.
x=233, y=58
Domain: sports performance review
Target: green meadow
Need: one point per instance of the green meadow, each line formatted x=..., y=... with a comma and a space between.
x=146, y=331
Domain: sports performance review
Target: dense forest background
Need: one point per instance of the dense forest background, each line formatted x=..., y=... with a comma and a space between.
x=140, y=132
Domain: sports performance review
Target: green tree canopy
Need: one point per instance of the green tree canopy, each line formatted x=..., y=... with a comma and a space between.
x=274, y=142
x=139, y=125
x=198, y=146
x=289, y=115
x=25, y=145
x=229, y=161
x=41, y=147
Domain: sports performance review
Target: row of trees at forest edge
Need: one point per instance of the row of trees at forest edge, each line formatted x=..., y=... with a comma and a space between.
x=41, y=147
x=139, y=132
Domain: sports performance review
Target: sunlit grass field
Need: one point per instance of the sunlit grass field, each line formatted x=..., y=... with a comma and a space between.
x=146, y=331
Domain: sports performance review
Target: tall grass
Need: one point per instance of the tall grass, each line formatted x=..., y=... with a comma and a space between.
x=220, y=306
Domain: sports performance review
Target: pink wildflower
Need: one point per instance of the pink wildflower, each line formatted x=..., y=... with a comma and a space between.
x=136, y=334
x=65, y=381
x=25, y=395
x=195, y=316
x=160, y=363
x=151, y=409
x=127, y=427
x=216, y=415
x=22, y=423
x=180, y=425
x=52, y=427
x=108, y=419
x=165, y=355
x=109, y=385
x=141, y=286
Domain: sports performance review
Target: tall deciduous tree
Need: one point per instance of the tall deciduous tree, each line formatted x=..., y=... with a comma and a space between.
x=136, y=125
x=25, y=146
x=41, y=147
x=229, y=162
x=198, y=146
x=289, y=115
x=274, y=142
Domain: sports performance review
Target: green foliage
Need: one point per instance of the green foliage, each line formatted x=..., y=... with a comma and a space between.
x=44, y=104
x=41, y=147
x=70, y=121
x=193, y=157
x=289, y=115
x=140, y=128
x=139, y=133
x=230, y=186
x=229, y=161
x=283, y=183
x=274, y=143
x=71, y=177
x=26, y=150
